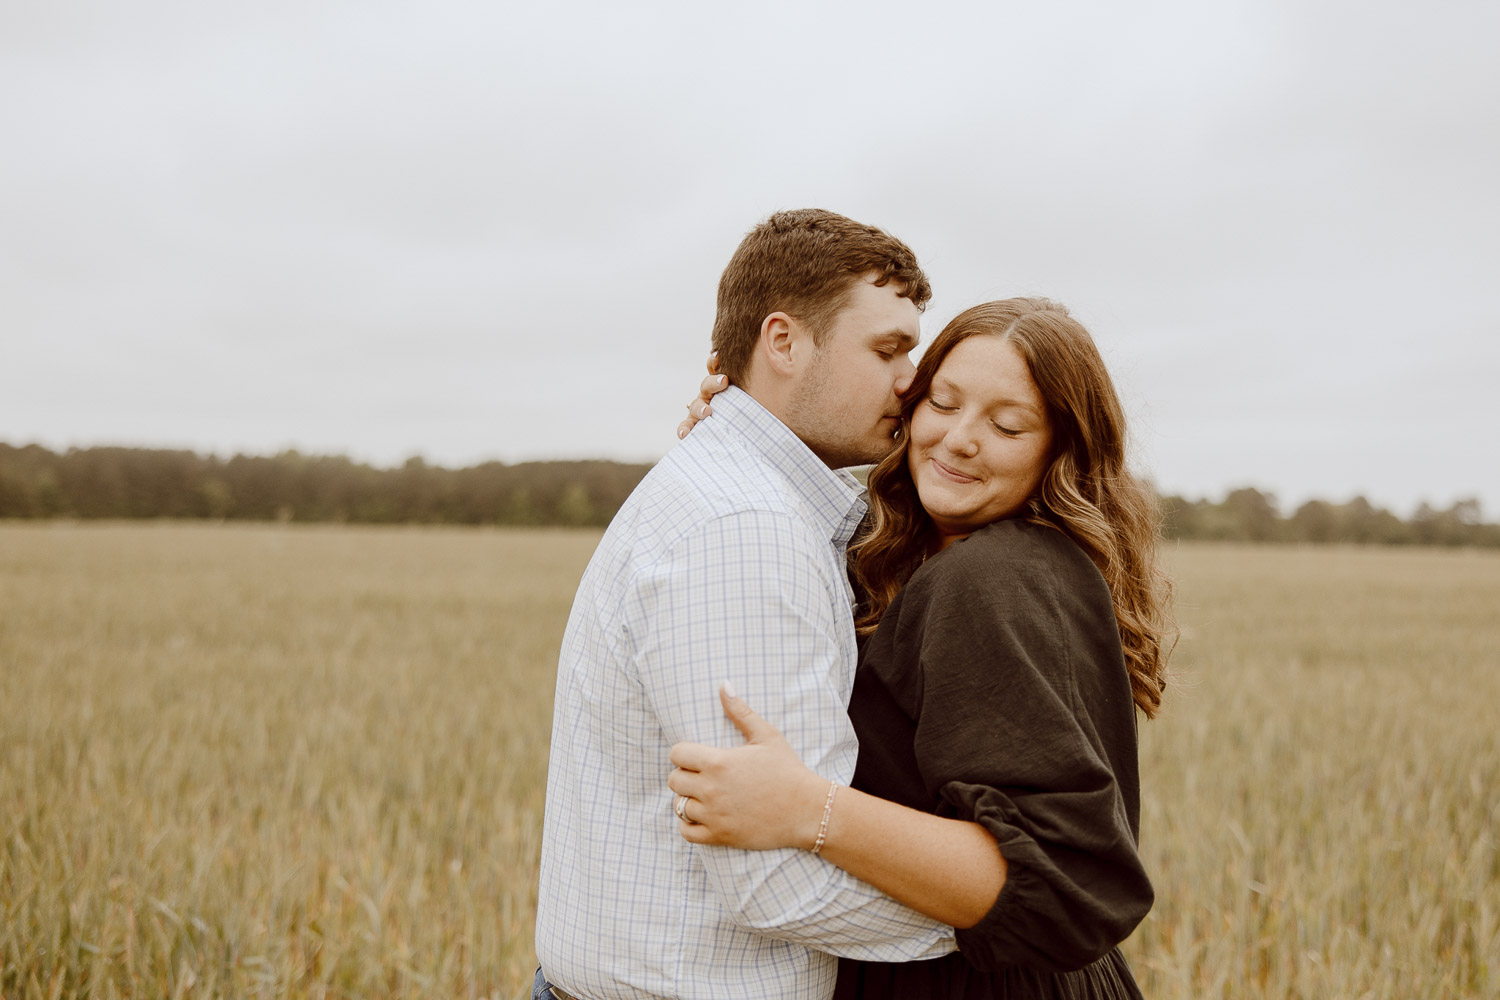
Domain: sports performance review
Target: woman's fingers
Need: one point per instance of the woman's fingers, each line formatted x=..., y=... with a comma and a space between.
x=745, y=718
x=692, y=813
x=697, y=824
x=695, y=833
x=699, y=408
x=691, y=756
x=689, y=783
x=688, y=809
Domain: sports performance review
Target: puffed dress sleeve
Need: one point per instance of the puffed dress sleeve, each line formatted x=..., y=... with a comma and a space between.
x=1008, y=650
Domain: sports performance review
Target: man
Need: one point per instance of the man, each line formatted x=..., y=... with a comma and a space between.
x=727, y=563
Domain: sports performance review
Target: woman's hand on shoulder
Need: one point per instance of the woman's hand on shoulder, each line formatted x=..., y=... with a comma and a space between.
x=699, y=407
x=757, y=797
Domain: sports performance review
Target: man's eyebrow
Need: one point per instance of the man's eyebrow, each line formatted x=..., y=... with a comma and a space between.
x=900, y=338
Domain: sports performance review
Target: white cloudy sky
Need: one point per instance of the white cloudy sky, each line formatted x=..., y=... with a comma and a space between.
x=475, y=230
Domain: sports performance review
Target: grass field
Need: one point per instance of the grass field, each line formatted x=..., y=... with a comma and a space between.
x=309, y=762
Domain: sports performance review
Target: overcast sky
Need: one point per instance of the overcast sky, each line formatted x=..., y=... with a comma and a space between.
x=471, y=230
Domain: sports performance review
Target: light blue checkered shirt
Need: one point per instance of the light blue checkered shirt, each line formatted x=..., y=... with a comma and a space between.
x=726, y=563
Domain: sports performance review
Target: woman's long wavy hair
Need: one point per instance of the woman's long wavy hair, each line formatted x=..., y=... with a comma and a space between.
x=1087, y=492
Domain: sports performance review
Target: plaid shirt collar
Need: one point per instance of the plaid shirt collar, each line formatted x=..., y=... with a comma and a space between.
x=834, y=497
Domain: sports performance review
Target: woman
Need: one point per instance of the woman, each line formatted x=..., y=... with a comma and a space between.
x=1013, y=620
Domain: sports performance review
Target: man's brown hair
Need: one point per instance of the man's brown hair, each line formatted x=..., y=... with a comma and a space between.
x=804, y=263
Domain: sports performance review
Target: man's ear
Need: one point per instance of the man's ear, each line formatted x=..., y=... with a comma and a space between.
x=784, y=343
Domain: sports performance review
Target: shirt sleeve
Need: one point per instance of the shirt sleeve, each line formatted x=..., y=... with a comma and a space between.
x=1025, y=716
x=751, y=598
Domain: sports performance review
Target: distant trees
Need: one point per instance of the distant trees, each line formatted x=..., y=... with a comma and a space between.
x=149, y=483
x=145, y=483
x=1250, y=515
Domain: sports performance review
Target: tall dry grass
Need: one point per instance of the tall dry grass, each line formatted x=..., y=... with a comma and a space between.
x=309, y=762
x=275, y=762
x=1322, y=798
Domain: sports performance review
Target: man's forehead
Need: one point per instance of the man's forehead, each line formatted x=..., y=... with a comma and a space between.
x=879, y=310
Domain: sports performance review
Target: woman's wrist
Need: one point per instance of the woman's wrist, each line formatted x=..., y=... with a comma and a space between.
x=822, y=837
x=812, y=798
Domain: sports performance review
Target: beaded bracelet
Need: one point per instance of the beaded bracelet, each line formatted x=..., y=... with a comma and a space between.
x=833, y=786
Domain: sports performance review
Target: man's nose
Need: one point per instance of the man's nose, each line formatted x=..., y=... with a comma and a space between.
x=903, y=381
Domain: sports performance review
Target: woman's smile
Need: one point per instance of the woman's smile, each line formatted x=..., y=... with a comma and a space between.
x=953, y=474
x=980, y=440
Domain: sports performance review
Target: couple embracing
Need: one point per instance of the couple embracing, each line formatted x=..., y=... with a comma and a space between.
x=811, y=744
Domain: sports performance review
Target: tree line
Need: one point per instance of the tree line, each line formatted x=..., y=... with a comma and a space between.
x=1250, y=515
x=152, y=483
x=110, y=482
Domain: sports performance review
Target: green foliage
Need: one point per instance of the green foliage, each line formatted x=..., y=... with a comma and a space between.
x=128, y=483
x=1250, y=515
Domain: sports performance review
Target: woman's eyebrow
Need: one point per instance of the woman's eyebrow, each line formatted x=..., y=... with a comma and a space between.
x=1017, y=404
x=940, y=382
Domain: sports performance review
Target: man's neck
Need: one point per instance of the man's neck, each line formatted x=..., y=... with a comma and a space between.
x=775, y=396
x=771, y=393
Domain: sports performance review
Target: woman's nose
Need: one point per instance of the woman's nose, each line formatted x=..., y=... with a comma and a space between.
x=961, y=439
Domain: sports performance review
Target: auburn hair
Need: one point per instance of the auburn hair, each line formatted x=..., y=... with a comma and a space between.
x=804, y=263
x=1087, y=492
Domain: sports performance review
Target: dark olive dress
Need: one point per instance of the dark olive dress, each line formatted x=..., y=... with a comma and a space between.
x=995, y=690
